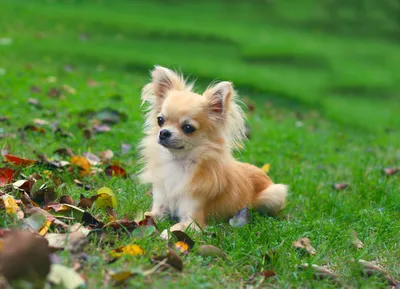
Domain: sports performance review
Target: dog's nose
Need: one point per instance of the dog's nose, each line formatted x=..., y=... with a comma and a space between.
x=164, y=134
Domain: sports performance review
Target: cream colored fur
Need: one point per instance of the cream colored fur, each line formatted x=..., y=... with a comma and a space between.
x=194, y=175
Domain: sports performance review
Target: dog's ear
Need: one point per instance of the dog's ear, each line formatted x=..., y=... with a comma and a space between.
x=219, y=97
x=164, y=80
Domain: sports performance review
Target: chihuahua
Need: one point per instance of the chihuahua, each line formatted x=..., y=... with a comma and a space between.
x=187, y=154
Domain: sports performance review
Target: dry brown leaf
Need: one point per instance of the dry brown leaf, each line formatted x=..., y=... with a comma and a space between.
x=34, y=102
x=106, y=155
x=322, y=273
x=340, y=187
x=170, y=260
x=370, y=269
x=357, y=243
x=304, y=244
x=391, y=171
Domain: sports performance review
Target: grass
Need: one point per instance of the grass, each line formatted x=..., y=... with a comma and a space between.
x=326, y=111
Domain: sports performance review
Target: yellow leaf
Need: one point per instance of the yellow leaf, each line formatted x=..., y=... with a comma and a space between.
x=11, y=206
x=43, y=231
x=106, y=198
x=1, y=245
x=83, y=163
x=182, y=247
x=133, y=250
x=121, y=276
x=266, y=168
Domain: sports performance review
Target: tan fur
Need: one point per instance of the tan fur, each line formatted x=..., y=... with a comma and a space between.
x=197, y=177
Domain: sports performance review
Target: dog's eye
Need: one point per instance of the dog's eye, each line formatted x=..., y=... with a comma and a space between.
x=160, y=120
x=187, y=128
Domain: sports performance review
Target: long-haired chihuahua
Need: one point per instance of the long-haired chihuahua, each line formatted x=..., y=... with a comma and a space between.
x=187, y=154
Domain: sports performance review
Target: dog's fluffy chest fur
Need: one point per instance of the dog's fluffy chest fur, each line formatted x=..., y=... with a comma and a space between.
x=171, y=178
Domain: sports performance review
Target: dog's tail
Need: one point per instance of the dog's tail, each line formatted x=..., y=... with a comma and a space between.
x=271, y=200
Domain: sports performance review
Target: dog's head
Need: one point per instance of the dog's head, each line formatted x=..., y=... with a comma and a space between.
x=183, y=120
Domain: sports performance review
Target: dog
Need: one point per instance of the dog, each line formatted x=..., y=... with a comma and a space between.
x=187, y=154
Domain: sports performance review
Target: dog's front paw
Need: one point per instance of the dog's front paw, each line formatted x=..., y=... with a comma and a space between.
x=155, y=214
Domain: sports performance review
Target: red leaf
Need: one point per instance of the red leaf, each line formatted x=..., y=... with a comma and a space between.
x=6, y=176
x=147, y=221
x=18, y=161
x=115, y=171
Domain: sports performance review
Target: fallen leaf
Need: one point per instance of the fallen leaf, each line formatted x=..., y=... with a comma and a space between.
x=87, y=203
x=106, y=155
x=4, y=118
x=355, y=241
x=92, y=158
x=111, y=213
x=304, y=244
x=34, y=223
x=18, y=161
x=66, y=152
x=35, y=89
x=40, y=121
x=82, y=163
x=182, y=247
x=123, y=224
x=90, y=82
x=115, y=171
x=6, y=176
x=147, y=221
x=22, y=185
x=241, y=218
x=105, y=198
x=109, y=116
x=183, y=237
x=26, y=257
x=89, y=221
x=369, y=269
x=101, y=128
x=43, y=231
x=340, y=187
x=68, y=89
x=391, y=171
x=125, y=148
x=10, y=205
x=132, y=250
x=67, y=199
x=266, y=168
x=120, y=277
x=80, y=184
x=34, y=102
x=87, y=133
x=170, y=260
x=268, y=274
x=321, y=273
x=65, y=210
x=54, y=92
x=34, y=128
x=65, y=277
x=72, y=241
x=210, y=251
x=51, y=79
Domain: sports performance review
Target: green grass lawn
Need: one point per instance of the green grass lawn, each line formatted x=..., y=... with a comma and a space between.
x=327, y=109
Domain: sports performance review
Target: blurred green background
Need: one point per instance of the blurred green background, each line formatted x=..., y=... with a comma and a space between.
x=338, y=57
